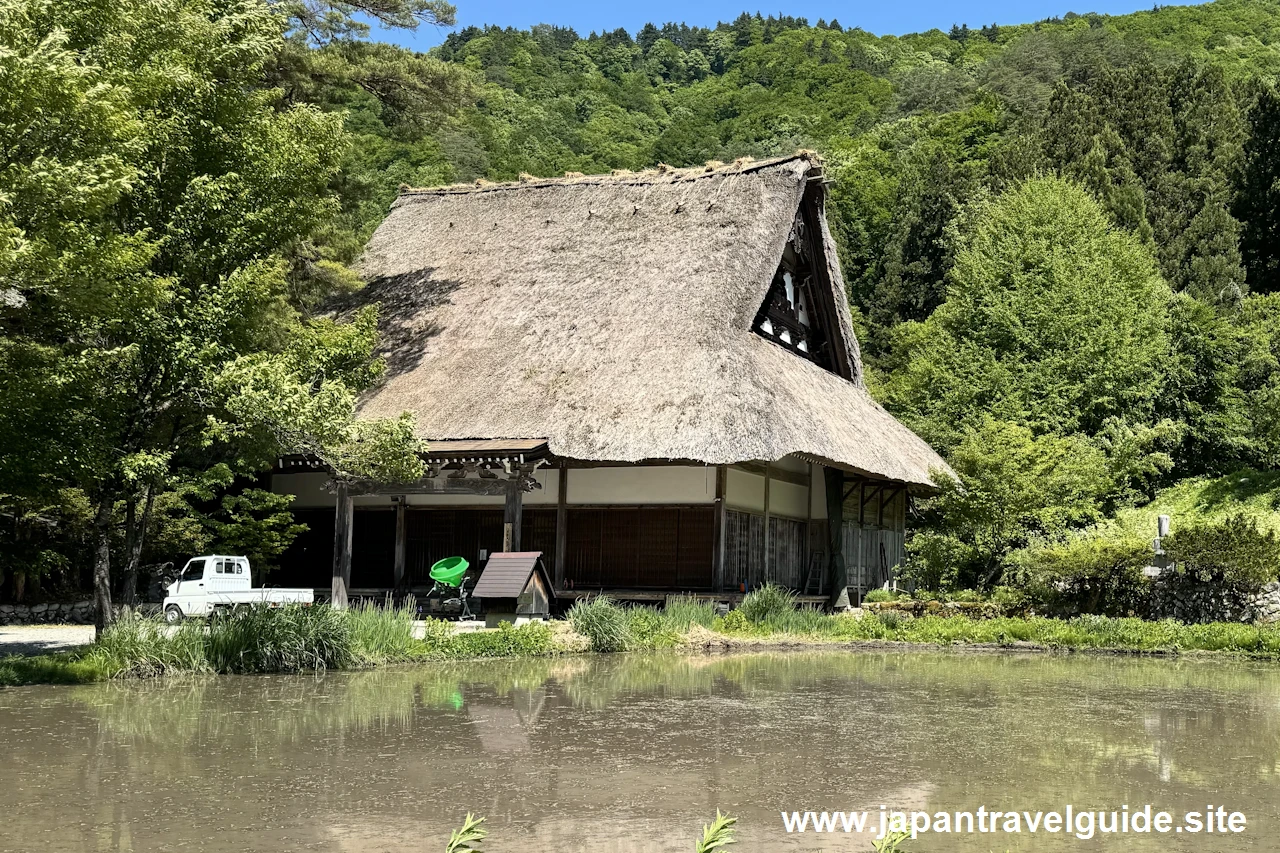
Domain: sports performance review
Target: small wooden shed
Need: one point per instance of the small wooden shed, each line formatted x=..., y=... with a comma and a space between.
x=514, y=587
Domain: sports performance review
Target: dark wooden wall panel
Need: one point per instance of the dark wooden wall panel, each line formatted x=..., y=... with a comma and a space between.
x=640, y=548
x=695, y=552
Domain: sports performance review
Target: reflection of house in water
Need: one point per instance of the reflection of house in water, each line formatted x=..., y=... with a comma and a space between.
x=504, y=728
x=650, y=378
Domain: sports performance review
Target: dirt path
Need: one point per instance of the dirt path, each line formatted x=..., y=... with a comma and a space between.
x=38, y=639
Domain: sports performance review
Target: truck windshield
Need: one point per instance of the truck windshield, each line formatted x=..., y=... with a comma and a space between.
x=194, y=571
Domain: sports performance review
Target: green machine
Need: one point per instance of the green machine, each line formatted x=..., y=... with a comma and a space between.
x=451, y=574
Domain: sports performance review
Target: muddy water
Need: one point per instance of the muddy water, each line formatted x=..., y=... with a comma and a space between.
x=633, y=753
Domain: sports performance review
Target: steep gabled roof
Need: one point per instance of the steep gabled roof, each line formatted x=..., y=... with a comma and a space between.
x=612, y=316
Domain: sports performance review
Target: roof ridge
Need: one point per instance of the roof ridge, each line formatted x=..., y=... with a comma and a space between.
x=661, y=174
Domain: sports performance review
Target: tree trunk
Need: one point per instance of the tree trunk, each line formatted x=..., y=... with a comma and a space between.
x=103, y=615
x=136, y=533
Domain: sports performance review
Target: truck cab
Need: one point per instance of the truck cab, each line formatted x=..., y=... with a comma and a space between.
x=215, y=573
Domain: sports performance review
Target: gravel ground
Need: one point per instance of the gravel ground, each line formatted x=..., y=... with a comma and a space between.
x=38, y=639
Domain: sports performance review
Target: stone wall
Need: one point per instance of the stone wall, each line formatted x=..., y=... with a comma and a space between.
x=67, y=612
x=1175, y=596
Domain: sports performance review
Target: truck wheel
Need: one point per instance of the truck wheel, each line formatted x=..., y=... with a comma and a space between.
x=173, y=614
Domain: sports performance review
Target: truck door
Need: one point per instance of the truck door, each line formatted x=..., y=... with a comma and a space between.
x=192, y=580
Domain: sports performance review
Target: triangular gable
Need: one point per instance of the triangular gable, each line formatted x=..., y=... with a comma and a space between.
x=799, y=312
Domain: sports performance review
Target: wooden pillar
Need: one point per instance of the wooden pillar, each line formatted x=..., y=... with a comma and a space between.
x=808, y=531
x=839, y=593
x=401, y=534
x=719, y=529
x=562, y=527
x=342, y=520
x=511, y=513
x=768, y=540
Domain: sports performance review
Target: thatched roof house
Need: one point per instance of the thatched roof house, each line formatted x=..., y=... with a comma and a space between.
x=613, y=316
x=668, y=355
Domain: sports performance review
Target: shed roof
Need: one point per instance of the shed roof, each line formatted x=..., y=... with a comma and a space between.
x=507, y=573
x=611, y=316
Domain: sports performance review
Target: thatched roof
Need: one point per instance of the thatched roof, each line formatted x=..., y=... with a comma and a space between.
x=612, y=316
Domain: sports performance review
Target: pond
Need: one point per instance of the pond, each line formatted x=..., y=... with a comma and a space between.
x=634, y=753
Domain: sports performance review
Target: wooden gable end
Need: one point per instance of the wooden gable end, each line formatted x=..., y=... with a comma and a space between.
x=798, y=313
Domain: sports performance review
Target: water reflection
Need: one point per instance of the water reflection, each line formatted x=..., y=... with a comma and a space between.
x=631, y=753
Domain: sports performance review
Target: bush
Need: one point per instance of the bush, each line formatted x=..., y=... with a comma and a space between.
x=533, y=639
x=733, y=622
x=875, y=595
x=1085, y=575
x=602, y=622
x=649, y=629
x=1233, y=552
x=766, y=602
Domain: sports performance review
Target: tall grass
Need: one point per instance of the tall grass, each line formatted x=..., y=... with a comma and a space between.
x=682, y=612
x=768, y=602
x=385, y=634
x=602, y=622
x=281, y=639
x=137, y=646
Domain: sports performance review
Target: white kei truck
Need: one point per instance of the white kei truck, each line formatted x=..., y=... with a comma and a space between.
x=217, y=582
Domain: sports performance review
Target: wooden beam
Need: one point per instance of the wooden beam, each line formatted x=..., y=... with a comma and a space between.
x=342, y=520
x=838, y=592
x=446, y=486
x=401, y=534
x=797, y=477
x=719, y=528
x=511, y=512
x=562, y=528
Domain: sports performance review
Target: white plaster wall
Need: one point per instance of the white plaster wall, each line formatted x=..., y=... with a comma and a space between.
x=792, y=463
x=647, y=484
x=787, y=499
x=744, y=490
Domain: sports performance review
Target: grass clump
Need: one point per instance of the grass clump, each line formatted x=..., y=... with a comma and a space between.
x=533, y=639
x=385, y=634
x=768, y=602
x=140, y=647
x=602, y=622
x=648, y=629
x=292, y=638
x=682, y=612
x=56, y=668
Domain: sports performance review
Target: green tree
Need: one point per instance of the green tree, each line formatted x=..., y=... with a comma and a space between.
x=1257, y=203
x=1054, y=320
x=1012, y=486
x=202, y=193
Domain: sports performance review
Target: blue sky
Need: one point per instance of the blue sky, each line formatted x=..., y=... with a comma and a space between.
x=881, y=17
